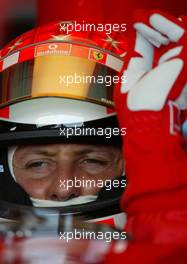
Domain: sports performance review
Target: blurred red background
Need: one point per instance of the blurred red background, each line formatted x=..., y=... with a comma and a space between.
x=17, y=16
x=103, y=10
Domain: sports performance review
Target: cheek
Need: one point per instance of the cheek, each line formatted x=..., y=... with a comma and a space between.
x=120, y=167
x=109, y=173
x=36, y=188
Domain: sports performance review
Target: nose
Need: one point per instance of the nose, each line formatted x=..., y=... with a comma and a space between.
x=62, y=186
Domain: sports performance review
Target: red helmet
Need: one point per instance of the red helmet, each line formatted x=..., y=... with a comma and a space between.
x=54, y=82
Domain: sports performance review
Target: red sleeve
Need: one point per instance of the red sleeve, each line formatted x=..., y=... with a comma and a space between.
x=155, y=159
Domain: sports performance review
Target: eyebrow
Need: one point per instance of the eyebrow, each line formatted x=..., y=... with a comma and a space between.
x=39, y=152
x=88, y=150
x=76, y=152
x=43, y=152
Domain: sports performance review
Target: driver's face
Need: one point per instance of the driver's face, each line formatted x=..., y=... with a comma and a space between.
x=41, y=169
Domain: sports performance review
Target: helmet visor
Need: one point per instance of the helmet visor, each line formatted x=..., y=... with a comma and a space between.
x=58, y=76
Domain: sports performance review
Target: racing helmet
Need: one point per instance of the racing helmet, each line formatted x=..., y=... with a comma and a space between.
x=57, y=87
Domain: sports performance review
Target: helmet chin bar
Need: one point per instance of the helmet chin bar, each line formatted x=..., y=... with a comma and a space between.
x=41, y=232
x=29, y=223
x=97, y=211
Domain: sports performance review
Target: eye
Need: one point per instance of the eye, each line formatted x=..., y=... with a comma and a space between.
x=93, y=165
x=95, y=161
x=37, y=164
x=40, y=166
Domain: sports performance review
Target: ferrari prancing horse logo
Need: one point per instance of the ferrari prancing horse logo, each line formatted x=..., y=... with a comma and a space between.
x=98, y=55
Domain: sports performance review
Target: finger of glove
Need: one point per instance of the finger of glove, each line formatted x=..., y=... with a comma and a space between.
x=179, y=90
x=141, y=60
x=171, y=53
x=155, y=37
x=152, y=91
x=168, y=26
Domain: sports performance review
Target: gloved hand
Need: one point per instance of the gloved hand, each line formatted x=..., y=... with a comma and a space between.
x=149, y=105
x=164, y=31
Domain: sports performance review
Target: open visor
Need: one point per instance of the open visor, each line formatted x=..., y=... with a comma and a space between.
x=58, y=76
